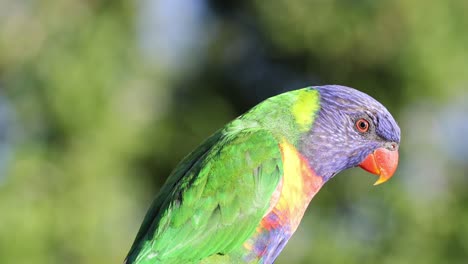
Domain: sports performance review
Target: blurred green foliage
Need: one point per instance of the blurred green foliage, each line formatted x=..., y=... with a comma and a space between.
x=99, y=123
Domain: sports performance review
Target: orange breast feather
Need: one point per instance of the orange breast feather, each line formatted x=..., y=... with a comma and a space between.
x=294, y=193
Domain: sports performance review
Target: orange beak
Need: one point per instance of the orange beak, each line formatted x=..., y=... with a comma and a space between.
x=382, y=162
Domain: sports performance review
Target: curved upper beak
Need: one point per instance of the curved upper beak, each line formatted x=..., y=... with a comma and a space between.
x=382, y=162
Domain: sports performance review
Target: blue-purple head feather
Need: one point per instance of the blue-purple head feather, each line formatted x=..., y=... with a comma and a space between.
x=335, y=143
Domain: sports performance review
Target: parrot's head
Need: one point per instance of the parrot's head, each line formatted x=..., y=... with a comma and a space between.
x=351, y=129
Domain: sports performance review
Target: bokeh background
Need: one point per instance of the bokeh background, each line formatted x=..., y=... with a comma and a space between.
x=100, y=99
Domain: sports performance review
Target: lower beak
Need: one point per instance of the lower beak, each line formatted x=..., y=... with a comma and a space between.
x=382, y=162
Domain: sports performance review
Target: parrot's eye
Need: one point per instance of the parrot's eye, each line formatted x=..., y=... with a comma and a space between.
x=362, y=125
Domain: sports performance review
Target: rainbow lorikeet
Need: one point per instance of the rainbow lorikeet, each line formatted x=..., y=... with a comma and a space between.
x=240, y=196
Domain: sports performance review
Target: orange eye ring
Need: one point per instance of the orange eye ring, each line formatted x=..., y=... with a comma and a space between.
x=362, y=125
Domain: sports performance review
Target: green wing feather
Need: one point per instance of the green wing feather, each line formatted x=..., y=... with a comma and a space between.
x=214, y=199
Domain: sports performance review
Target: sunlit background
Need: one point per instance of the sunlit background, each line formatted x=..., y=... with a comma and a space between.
x=100, y=99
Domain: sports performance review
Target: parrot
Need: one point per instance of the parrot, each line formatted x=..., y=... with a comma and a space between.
x=240, y=195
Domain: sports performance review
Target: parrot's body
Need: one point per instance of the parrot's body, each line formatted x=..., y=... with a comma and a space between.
x=240, y=196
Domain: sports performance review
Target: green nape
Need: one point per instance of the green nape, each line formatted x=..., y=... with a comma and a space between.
x=304, y=108
x=287, y=115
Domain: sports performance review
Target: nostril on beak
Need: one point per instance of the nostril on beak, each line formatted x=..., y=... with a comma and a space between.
x=393, y=146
